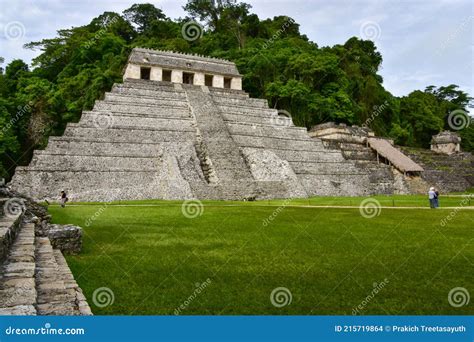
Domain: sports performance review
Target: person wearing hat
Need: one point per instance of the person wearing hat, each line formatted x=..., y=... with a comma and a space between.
x=432, y=197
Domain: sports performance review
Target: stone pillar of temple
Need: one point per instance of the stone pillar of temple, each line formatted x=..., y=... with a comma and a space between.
x=236, y=83
x=199, y=78
x=218, y=81
x=156, y=73
x=132, y=71
x=177, y=76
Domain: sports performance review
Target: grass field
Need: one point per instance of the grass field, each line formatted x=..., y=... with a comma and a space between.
x=465, y=199
x=230, y=257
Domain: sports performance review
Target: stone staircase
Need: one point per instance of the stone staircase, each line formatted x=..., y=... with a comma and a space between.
x=35, y=278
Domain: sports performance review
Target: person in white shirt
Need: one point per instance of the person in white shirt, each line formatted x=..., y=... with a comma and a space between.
x=432, y=197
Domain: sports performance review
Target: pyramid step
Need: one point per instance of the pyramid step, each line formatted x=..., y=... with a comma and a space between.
x=125, y=149
x=163, y=115
x=130, y=134
x=103, y=120
x=142, y=84
x=95, y=162
x=267, y=131
x=247, y=110
x=140, y=108
x=131, y=89
x=275, y=142
x=146, y=101
x=244, y=102
x=228, y=92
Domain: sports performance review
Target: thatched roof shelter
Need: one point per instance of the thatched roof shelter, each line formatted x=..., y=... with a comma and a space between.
x=393, y=155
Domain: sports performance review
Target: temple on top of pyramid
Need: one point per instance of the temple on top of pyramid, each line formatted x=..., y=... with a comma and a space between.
x=175, y=67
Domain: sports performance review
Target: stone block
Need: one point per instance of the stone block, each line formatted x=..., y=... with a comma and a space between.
x=67, y=238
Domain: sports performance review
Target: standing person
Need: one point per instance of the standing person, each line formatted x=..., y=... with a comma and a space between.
x=431, y=197
x=63, y=199
x=436, y=198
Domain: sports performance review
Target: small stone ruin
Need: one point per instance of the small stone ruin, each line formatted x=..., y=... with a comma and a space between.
x=446, y=142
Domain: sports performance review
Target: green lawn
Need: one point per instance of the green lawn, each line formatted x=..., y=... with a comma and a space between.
x=153, y=257
x=451, y=200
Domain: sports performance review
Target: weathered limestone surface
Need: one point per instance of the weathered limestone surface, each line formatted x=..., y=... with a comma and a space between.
x=9, y=226
x=66, y=238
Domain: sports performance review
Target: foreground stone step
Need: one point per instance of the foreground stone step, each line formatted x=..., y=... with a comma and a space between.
x=8, y=231
x=17, y=282
x=66, y=276
x=53, y=297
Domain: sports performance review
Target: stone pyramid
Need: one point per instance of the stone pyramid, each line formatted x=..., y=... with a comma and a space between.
x=181, y=127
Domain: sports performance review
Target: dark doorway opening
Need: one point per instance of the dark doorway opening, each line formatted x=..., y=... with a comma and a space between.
x=208, y=80
x=188, y=78
x=145, y=73
x=227, y=82
x=166, y=76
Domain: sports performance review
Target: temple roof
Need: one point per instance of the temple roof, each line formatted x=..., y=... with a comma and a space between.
x=182, y=61
x=446, y=137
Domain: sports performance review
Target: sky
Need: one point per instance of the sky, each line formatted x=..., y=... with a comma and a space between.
x=423, y=42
